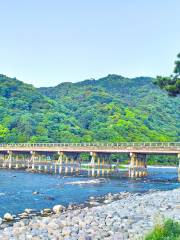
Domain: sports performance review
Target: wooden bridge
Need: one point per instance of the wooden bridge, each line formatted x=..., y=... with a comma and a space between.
x=67, y=155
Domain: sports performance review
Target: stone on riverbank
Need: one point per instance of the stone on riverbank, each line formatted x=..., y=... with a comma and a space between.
x=47, y=210
x=29, y=210
x=58, y=208
x=8, y=217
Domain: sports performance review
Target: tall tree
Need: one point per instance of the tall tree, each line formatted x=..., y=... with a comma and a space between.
x=171, y=83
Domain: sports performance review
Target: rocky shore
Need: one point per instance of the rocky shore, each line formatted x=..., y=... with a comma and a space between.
x=115, y=216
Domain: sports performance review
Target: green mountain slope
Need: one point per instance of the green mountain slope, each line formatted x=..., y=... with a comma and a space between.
x=115, y=108
x=111, y=109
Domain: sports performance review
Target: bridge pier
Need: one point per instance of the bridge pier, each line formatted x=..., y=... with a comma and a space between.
x=17, y=162
x=67, y=162
x=4, y=165
x=72, y=165
x=9, y=159
x=32, y=159
x=137, y=167
x=97, y=163
x=92, y=163
x=60, y=161
x=55, y=167
x=71, y=158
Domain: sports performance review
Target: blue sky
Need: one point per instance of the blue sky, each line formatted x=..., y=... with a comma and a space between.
x=45, y=42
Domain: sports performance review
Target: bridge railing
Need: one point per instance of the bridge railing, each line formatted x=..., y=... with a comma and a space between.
x=100, y=145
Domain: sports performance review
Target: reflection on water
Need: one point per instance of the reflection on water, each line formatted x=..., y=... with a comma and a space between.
x=16, y=187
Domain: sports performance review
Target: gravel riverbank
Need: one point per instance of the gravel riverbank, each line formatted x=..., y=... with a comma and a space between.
x=119, y=217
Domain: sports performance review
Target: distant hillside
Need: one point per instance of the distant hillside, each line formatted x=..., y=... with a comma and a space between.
x=111, y=109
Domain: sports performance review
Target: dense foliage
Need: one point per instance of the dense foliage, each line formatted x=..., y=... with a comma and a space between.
x=171, y=83
x=111, y=109
x=170, y=230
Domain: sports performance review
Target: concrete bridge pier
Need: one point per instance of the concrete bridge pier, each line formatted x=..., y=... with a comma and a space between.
x=17, y=160
x=109, y=163
x=23, y=164
x=72, y=165
x=103, y=167
x=45, y=168
x=92, y=163
x=32, y=159
x=72, y=162
x=137, y=167
x=77, y=161
x=60, y=161
x=28, y=161
x=55, y=167
x=104, y=163
x=66, y=163
x=9, y=159
x=97, y=163
x=39, y=162
x=4, y=161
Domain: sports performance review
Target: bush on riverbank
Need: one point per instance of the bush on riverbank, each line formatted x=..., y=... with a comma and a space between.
x=169, y=230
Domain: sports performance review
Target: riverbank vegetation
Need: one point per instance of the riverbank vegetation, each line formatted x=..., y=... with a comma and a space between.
x=170, y=230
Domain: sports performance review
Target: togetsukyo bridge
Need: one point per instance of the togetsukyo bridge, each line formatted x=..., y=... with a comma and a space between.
x=66, y=156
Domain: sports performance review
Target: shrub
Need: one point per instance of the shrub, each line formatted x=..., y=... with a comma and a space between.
x=169, y=230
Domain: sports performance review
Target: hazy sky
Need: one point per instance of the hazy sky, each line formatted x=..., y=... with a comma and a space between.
x=45, y=42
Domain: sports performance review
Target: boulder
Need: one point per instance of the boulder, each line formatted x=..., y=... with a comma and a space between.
x=23, y=215
x=46, y=210
x=58, y=208
x=29, y=210
x=8, y=217
x=35, y=192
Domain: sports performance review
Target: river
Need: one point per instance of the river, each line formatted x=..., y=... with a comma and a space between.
x=17, y=187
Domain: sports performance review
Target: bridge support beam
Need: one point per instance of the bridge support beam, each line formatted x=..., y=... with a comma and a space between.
x=137, y=167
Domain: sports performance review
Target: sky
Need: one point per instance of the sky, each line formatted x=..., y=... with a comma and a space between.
x=46, y=42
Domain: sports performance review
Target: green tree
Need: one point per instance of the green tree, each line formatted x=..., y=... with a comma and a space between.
x=3, y=132
x=171, y=83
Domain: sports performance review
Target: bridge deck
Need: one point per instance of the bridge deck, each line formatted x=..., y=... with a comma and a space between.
x=138, y=147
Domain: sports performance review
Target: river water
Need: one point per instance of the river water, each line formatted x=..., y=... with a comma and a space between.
x=17, y=187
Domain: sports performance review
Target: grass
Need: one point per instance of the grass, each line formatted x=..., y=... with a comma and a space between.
x=169, y=230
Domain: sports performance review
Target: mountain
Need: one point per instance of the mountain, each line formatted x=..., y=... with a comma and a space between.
x=111, y=109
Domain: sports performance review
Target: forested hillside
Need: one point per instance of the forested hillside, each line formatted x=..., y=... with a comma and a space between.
x=111, y=109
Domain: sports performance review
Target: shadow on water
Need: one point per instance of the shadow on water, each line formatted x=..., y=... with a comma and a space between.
x=17, y=187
